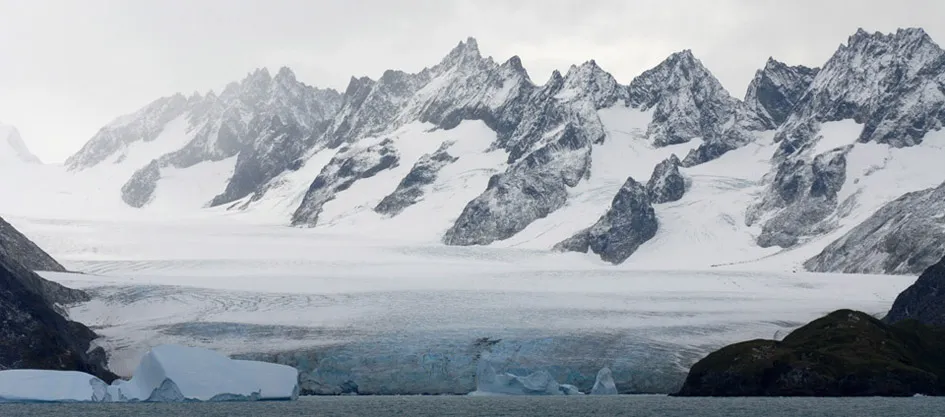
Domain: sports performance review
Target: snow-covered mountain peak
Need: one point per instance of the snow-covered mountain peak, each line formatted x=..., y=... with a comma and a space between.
x=285, y=74
x=891, y=83
x=887, y=90
x=590, y=81
x=12, y=147
x=465, y=54
x=556, y=78
x=515, y=63
x=681, y=71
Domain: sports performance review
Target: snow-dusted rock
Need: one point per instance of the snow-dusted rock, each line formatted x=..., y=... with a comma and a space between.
x=411, y=187
x=628, y=223
x=347, y=167
x=16, y=245
x=268, y=121
x=139, y=190
x=776, y=89
x=31, y=385
x=529, y=190
x=170, y=373
x=143, y=125
x=688, y=102
x=891, y=85
x=904, y=237
x=808, y=192
x=604, y=384
x=666, y=184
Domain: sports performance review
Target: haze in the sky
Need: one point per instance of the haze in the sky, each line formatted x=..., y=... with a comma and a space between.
x=68, y=67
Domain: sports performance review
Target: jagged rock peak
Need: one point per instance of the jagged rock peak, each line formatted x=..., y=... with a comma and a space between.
x=679, y=71
x=902, y=35
x=629, y=222
x=666, y=184
x=285, y=73
x=464, y=53
x=591, y=81
x=776, y=89
x=357, y=84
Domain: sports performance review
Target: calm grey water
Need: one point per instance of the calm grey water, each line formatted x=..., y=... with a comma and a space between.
x=510, y=406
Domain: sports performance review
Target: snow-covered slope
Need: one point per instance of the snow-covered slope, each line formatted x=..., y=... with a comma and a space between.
x=266, y=123
x=471, y=151
x=12, y=148
x=865, y=132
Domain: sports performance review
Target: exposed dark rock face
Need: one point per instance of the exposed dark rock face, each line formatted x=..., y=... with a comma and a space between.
x=279, y=149
x=846, y=353
x=139, y=190
x=666, y=184
x=531, y=189
x=884, y=82
x=924, y=301
x=807, y=191
x=688, y=102
x=32, y=333
x=628, y=223
x=776, y=89
x=346, y=168
x=905, y=236
x=410, y=189
x=15, y=245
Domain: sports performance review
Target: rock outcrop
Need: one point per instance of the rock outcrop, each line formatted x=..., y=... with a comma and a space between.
x=139, y=190
x=346, y=168
x=33, y=334
x=905, y=236
x=891, y=85
x=411, y=188
x=628, y=223
x=846, y=353
x=666, y=184
x=15, y=245
x=924, y=301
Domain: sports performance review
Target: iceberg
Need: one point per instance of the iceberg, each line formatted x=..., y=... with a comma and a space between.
x=604, y=384
x=31, y=385
x=166, y=373
x=488, y=382
x=171, y=373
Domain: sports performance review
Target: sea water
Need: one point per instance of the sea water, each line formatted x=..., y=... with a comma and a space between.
x=460, y=406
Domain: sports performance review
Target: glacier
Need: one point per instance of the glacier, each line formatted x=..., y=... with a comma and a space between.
x=167, y=373
x=388, y=316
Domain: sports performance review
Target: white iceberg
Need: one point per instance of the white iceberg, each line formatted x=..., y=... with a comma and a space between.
x=488, y=382
x=167, y=373
x=604, y=384
x=30, y=385
x=177, y=373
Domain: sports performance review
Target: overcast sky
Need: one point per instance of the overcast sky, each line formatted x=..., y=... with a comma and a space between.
x=68, y=66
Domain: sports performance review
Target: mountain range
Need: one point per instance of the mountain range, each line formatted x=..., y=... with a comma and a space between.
x=838, y=167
